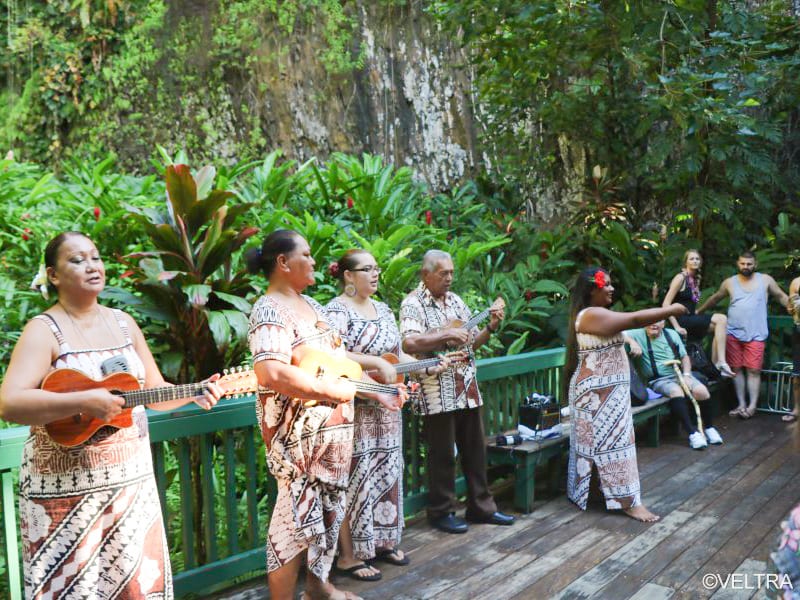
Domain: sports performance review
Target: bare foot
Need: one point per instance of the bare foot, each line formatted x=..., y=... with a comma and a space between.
x=640, y=513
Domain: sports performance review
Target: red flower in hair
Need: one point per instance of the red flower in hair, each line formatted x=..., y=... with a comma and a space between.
x=600, y=279
x=333, y=269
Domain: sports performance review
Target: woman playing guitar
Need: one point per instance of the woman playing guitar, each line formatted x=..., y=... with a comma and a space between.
x=68, y=494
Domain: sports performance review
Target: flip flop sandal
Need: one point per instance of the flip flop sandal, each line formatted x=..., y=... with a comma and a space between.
x=736, y=412
x=746, y=413
x=352, y=572
x=790, y=418
x=390, y=556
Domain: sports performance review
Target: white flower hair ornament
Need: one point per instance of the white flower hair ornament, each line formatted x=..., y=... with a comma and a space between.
x=40, y=282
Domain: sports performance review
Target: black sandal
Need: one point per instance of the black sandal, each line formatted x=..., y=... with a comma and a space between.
x=389, y=556
x=352, y=572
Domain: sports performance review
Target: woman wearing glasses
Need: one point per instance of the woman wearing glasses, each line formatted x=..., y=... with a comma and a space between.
x=308, y=446
x=374, y=520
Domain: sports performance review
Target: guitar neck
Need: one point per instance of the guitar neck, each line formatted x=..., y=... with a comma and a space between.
x=163, y=394
x=476, y=319
x=367, y=386
x=417, y=365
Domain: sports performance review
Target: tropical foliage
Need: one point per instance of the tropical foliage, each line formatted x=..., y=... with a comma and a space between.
x=683, y=113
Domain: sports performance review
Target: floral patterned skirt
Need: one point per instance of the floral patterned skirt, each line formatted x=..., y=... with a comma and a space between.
x=375, y=493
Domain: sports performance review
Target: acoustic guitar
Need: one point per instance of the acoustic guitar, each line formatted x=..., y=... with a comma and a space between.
x=76, y=429
x=321, y=364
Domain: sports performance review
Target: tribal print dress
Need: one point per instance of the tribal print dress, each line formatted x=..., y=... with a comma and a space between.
x=308, y=448
x=375, y=494
x=89, y=514
x=602, y=425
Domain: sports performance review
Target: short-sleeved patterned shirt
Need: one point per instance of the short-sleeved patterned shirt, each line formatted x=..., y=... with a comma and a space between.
x=457, y=387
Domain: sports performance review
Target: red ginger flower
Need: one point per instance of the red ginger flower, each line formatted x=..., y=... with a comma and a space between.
x=26, y=233
x=96, y=213
x=428, y=217
x=350, y=202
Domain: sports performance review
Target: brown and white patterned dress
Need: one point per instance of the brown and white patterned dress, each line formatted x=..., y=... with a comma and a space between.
x=602, y=425
x=375, y=494
x=89, y=514
x=308, y=449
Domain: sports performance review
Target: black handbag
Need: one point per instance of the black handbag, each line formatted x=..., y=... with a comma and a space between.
x=638, y=388
x=700, y=361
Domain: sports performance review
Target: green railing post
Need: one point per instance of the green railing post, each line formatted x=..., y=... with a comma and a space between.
x=10, y=549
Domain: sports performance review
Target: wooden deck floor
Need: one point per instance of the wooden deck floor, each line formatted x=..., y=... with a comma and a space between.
x=720, y=509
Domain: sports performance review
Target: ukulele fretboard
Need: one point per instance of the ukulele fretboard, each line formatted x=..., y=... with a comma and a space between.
x=163, y=394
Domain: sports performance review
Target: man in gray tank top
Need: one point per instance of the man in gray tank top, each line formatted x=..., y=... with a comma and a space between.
x=747, y=327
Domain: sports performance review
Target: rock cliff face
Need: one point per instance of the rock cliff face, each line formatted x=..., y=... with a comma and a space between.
x=225, y=85
x=410, y=102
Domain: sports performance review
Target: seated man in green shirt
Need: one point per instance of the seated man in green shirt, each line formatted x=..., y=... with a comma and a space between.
x=651, y=348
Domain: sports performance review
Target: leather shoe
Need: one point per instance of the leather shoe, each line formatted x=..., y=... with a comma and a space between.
x=449, y=523
x=496, y=518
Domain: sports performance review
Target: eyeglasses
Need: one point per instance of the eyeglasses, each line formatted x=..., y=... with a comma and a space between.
x=368, y=269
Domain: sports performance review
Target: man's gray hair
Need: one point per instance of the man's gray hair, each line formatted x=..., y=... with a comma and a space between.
x=433, y=258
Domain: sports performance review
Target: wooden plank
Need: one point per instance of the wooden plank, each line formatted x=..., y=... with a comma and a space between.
x=710, y=486
x=600, y=576
x=747, y=537
x=748, y=568
x=438, y=564
x=557, y=579
x=424, y=545
x=652, y=591
x=733, y=512
x=518, y=570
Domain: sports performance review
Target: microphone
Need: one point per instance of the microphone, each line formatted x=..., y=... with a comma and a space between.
x=115, y=364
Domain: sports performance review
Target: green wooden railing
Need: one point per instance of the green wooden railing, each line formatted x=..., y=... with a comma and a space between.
x=234, y=491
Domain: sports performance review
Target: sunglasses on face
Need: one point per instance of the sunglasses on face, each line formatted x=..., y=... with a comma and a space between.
x=369, y=269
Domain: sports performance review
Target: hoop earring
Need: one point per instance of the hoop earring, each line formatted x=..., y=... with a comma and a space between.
x=350, y=290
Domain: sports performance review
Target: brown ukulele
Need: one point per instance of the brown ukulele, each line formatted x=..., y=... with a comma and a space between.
x=417, y=365
x=78, y=428
x=321, y=364
x=498, y=304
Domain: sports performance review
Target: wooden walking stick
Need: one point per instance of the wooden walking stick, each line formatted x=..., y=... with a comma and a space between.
x=676, y=364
